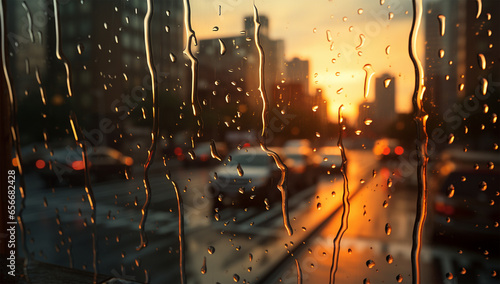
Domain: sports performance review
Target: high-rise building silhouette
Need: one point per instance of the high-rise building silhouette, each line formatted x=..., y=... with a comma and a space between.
x=445, y=53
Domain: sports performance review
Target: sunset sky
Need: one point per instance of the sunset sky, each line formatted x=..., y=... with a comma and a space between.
x=305, y=28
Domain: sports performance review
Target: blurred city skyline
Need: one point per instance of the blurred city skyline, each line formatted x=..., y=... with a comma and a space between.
x=330, y=39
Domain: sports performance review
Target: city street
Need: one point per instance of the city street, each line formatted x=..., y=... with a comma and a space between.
x=250, y=245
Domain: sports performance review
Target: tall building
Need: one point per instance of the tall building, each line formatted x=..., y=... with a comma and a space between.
x=235, y=60
x=445, y=54
x=297, y=72
x=482, y=42
x=229, y=73
x=384, y=106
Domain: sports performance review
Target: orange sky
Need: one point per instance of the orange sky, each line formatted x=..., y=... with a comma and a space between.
x=310, y=28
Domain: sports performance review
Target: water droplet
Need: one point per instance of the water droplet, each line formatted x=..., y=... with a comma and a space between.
x=222, y=50
x=369, y=74
x=370, y=263
x=494, y=118
x=481, y=61
x=388, y=229
x=329, y=36
x=217, y=217
x=491, y=165
x=368, y=121
x=387, y=82
x=451, y=138
x=382, y=2
x=362, y=39
x=79, y=48
x=388, y=50
x=318, y=206
x=213, y=151
x=204, y=266
x=250, y=257
x=449, y=275
x=315, y=108
x=240, y=170
x=463, y=271
x=366, y=281
x=344, y=19
x=451, y=191
x=483, y=186
x=333, y=193
x=358, y=132
x=399, y=278
x=236, y=277
x=192, y=154
x=228, y=98
x=215, y=29
x=172, y=57
x=389, y=259
x=339, y=91
x=360, y=11
x=391, y=15
x=318, y=134
x=486, y=108
x=389, y=182
x=385, y=204
x=211, y=250
x=441, y=53
x=442, y=23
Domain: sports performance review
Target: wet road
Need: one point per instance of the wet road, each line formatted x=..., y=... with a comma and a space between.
x=250, y=245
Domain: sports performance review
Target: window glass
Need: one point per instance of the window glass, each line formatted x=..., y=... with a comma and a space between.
x=252, y=141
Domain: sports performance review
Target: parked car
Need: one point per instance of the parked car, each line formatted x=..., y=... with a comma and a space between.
x=302, y=170
x=464, y=199
x=388, y=149
x=202, y=155
x=329, y=160
x=248, y=179
x=66, y=165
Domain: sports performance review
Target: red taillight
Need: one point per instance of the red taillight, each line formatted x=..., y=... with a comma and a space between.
x=442, y=208
x=129, y=161
x=246, y=145
x=14, y=162
x=178, y=151
x=78, y=165
x=40, y=164
x=399, y=150
x=386, y=151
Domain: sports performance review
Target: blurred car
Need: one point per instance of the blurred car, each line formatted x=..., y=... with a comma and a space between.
x=464, y=199
x=302, y=171
x=328, y=159
x=388, y=149
x=246, y=180
x=297, y=144
x=67, y=165
x=202, y=154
